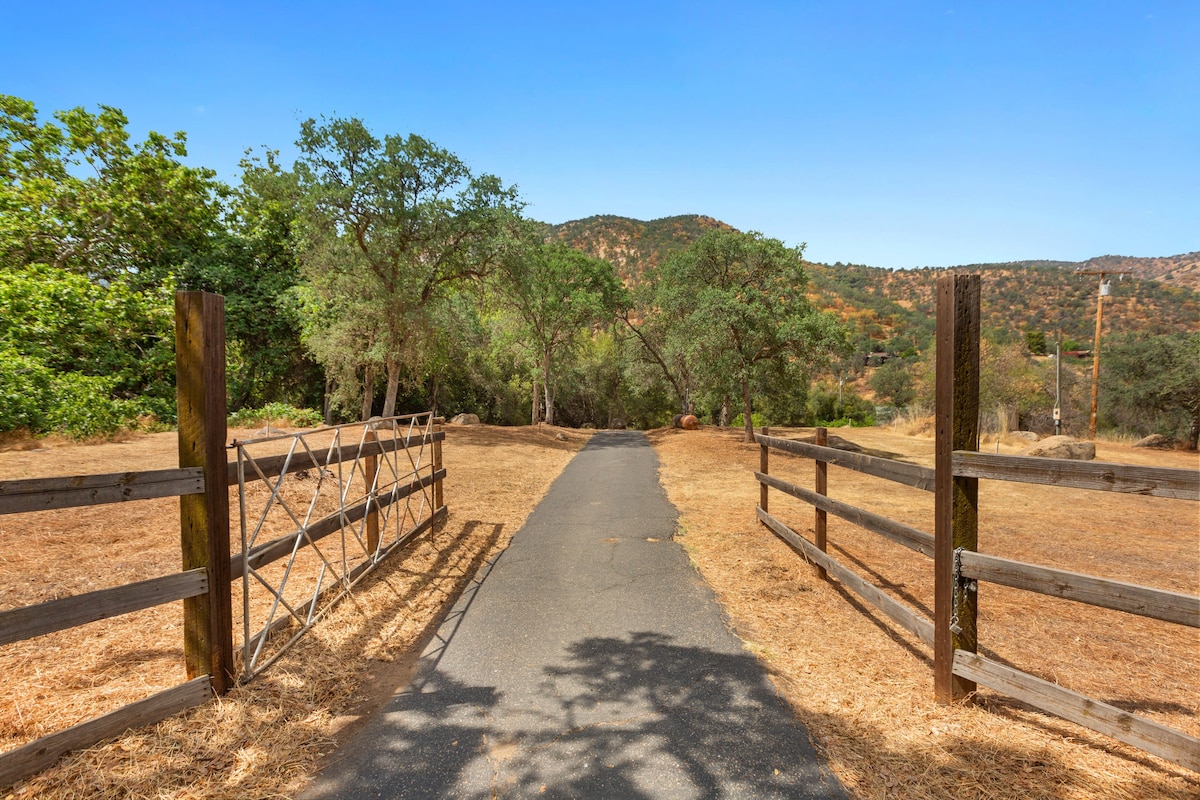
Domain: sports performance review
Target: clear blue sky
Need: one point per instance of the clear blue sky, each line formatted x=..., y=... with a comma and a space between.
x=896, y=134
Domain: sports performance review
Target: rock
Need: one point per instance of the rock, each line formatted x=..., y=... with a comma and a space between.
x=562, y=437
x=1022, y=436
x=1157, y=441
x=465, y=419
x=689, y=423
x=617, y=425
x=1063, y=447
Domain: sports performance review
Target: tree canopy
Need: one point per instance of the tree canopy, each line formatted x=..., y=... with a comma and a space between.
x=556, y=294
x=390, y=226
x=738, y=314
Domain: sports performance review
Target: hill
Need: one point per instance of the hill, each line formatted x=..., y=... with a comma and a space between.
x=1160, y=296
x=632, y=245
x=1016, y=297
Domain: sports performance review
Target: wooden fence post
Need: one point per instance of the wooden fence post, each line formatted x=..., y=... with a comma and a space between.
x=438, y=495
x=821, y=486
x=956, y=500
x=764, y=457
x=204, y=518
x=370, y=475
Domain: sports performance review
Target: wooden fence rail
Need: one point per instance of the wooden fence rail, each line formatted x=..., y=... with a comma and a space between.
x=958, y=565
x=44, y=494
x=1179, y=484
x=29, y=622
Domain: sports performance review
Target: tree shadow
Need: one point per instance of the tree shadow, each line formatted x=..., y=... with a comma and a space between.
x=632, y=717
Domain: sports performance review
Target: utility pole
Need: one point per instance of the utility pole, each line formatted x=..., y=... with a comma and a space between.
x=1105, y=289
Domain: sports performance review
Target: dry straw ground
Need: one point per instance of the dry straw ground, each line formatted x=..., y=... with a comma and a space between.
x=860, y=683
x=864, y=686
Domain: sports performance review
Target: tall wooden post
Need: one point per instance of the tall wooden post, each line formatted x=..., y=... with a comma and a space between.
x=764, y=459
x=204, y=518
x=821, y=480
x=438, y=490
x=956, y=500
x=371, y=475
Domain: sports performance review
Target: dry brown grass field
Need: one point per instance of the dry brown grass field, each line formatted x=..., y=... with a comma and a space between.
x=863, y=685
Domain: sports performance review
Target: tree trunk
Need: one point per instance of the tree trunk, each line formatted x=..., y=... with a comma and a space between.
x=393, y=389
x=328, y=401
x=435, y=384
x=547, y=385
x=749, y=422
x=368, y=392
x=534, y=418
x=1194, y=434
x=723, y=420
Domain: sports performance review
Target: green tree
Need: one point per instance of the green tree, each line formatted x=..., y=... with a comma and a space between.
x=736, y=303
x=390, y=226
x=71, y=343
x=1151, y=384
x=1035, y=341
x=254, y=266
x=77, y=195
x=892, y=381
x=557, y=294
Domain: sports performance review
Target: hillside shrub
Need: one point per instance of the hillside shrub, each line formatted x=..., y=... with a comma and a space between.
x=276, y=413
x=757, y=420
x=82, y=406
x=830, y=408
x=24, y=391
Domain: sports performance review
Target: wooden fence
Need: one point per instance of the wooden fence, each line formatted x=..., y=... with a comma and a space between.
x=202, y=483
x=957, y=564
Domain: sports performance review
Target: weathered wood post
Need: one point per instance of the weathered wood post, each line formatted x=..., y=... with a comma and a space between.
x=764, y=458
x=821, y=486
x=204, y=518
x=438, y=496
x=956, y=500
x=371, y=475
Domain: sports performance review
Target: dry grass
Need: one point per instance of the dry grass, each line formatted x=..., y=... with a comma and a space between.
x=265, y=738
x=864, y=686
x=860, y=683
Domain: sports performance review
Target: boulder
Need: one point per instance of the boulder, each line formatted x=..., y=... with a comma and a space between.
x=1021, y=436
x=465, y=419
x=1156, y=441
x=689, y=423
x=1063, y=447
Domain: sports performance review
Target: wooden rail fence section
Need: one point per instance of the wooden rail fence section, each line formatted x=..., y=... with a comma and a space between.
x=204, y=583
x=957, y=564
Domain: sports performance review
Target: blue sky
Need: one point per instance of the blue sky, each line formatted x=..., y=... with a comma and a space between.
x=895, y=134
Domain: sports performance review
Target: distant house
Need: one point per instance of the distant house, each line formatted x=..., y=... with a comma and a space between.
x=875, y=359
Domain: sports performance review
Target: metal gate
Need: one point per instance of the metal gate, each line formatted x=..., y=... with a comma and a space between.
x=319, y=510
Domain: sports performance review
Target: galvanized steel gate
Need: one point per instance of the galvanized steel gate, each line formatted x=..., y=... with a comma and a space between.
x=319, y=510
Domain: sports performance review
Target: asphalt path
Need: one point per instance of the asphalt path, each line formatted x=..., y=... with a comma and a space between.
x=588, y=660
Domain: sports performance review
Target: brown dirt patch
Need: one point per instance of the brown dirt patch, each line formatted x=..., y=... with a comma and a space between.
x=864, y=686
x=265, y=738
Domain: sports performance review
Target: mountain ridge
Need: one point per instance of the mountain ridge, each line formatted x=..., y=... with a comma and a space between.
x=1159, y=296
